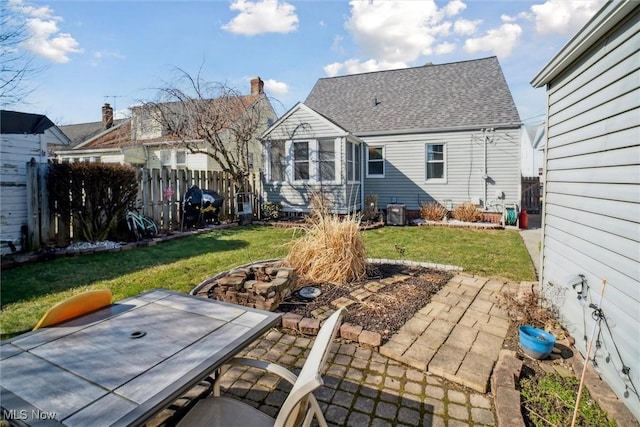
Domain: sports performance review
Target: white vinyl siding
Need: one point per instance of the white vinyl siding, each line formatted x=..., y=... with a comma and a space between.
x=405, y=170
x=592, y=208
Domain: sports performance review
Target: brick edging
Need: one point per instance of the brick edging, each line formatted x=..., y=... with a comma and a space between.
x=349, y=331
x=505, y=395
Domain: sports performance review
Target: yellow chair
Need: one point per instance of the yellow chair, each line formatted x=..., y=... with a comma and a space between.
x=75, y=306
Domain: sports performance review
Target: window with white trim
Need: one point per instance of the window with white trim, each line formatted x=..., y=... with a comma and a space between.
x=326, y=160
x=435, y=167
x=277, y=163
x=181, y=158
x=353, y=162
x=301, y=160
x=375, y=162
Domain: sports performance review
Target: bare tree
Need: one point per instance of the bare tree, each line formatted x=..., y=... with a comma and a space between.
x=16, y=64
x=214, y=119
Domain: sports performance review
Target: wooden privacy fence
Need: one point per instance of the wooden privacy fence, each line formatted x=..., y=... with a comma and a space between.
x=530, y=200
x=161, y=193
x=160, y=196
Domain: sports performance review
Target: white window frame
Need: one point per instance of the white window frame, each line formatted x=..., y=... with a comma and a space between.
x=316, y=161
x=309, y=159
x=284, y=162
x=383, y=160
x=442, y=180
x=180, y=164
x=314, y=165
x=356, y=160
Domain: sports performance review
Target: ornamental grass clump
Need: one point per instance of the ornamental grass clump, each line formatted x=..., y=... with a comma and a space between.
x=432, y=211
x=331, y=249
x=467, y=212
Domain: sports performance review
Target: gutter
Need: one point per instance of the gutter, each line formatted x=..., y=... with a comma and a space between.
x=513, y=125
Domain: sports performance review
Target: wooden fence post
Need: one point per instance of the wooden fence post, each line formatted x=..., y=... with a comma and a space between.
x=33, y=206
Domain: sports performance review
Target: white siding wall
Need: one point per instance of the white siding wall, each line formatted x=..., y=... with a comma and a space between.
x=592, y=196
x=405, y=157
x=15, y=152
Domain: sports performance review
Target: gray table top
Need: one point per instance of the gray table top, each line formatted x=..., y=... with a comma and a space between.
x=123, y=364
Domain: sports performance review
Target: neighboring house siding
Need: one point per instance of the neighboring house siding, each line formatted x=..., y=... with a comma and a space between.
x=592, y=212
x=405, y=168
x=16, y=151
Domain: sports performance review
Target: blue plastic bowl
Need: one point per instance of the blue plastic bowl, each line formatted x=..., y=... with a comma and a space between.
x=536, y=343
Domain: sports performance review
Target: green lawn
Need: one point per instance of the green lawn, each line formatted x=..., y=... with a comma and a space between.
x=181, y=264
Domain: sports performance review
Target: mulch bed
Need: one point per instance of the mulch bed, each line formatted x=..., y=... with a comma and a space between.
x=387, y=310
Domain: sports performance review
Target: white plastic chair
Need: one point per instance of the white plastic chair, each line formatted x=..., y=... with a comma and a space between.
x=298, y=409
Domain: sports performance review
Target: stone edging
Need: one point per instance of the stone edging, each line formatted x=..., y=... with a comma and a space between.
x=506, y=397
x=503, y=384
x=311, y=326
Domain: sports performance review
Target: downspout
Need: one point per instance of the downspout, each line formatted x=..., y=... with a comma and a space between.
x=485, y=176
x=361, y=174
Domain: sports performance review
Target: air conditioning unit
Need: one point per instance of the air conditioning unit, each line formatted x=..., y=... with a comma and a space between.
x=396, y=214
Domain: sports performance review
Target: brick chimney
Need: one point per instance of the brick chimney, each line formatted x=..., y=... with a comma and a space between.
x=107, y=116
x=257, y=86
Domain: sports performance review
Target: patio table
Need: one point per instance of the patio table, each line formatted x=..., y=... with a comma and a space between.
x=125, y=363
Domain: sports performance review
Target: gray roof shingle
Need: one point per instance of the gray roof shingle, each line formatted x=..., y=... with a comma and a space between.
x=81, y=132
x=460, y=94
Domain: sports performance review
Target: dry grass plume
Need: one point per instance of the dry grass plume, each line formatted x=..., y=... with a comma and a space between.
x=331, y=248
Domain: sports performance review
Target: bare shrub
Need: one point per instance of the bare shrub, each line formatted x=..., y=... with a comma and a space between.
x=432, y=211
x=467, y=212
x=331, y=249
x=527, y=307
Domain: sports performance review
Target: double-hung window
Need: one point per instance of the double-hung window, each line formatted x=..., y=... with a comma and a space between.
x=277, y=162
x=435, y=166
x=353, y=162
x=375, y=162
x=326, y=160
x=301, y=160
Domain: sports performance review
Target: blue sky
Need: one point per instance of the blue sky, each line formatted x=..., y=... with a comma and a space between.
x=92, y=52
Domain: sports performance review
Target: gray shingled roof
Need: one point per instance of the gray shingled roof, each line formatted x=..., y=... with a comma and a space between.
x=82, y=132
x=460, y=94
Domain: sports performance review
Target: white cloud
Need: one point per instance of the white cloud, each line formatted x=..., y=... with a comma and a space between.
x=99, y=55
x=465, y=27
x=262, y=16
x=445, y=48
x=399, y=31
x=45, y=39
x=564, y=17
x=274, y=87
x=500, y=41
x=355, y=66
x=454, y=7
